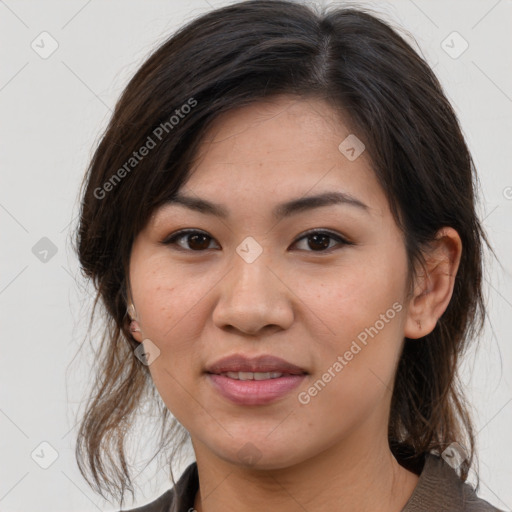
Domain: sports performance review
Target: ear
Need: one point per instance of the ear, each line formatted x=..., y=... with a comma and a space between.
x=432, y=292
x=134, y=327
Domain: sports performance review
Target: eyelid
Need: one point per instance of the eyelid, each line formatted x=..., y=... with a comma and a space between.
x=341, y=241
x=171, y=239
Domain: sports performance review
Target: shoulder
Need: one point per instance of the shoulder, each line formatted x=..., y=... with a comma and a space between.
x=180, y=497
x=472, y=503
x=440, y=488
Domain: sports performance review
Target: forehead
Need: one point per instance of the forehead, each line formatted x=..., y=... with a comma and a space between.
x=271, y=152
x=278, y=129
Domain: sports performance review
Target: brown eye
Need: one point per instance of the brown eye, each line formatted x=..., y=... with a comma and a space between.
x=197, y=240
x=319, y=241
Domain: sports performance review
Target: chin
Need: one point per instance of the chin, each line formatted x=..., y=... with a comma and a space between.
x=260, y=453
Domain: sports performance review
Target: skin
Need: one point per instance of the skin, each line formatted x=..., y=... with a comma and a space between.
x=295, y=301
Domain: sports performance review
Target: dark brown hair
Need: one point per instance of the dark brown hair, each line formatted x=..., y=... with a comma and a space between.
x=235, y=56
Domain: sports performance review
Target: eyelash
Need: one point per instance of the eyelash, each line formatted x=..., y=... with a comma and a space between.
x=172, y=239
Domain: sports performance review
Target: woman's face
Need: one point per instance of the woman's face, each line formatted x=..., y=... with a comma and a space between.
x=253, y=283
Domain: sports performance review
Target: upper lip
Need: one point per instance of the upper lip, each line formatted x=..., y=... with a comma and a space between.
x=264, y=363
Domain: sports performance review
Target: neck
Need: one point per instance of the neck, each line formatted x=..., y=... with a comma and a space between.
x=342, y=478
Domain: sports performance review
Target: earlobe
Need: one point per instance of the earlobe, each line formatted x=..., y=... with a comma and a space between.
x=435, y=287
x=134, y=324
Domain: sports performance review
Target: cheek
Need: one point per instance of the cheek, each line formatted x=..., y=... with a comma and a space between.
x=352, y=298
x=168, y=315
x=360, y=315
x=354, y=374
x=166, y=307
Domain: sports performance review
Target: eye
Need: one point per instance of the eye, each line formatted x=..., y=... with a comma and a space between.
x=198, y=241
x=320, y=240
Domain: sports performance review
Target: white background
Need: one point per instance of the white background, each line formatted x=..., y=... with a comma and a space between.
x=52, y=113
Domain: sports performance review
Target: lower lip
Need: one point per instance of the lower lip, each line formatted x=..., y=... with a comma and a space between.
x=255, y=392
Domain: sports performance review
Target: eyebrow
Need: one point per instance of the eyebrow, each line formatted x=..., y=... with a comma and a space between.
x=280, y=211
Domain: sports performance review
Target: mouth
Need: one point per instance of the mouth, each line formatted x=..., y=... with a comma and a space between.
x=252, y=375
x=255, y=381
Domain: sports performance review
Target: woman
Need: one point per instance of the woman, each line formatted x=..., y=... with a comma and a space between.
x=280, y=222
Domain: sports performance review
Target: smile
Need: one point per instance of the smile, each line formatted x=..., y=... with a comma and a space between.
x=254, y=388
x=252, y=375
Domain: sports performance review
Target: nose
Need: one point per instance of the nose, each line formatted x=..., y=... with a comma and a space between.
x=252, y=297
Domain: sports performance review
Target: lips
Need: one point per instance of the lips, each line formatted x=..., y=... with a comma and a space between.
x=258, y=368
